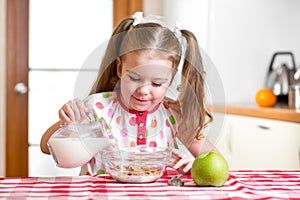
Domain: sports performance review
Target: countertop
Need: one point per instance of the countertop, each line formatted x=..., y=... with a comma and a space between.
x=278, y=112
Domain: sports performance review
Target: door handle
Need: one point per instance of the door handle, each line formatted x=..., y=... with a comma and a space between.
x=263, y=127
x=21, y=88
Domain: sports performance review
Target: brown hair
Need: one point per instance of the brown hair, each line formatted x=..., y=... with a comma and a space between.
x=127, y=38
x=195, y=115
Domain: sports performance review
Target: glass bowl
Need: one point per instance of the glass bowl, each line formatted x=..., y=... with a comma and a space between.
x=136, y=164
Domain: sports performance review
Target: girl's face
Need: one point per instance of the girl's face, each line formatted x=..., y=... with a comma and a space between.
x=145, y=79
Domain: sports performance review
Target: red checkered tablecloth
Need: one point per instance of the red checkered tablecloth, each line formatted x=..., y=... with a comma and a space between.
x=246, y=184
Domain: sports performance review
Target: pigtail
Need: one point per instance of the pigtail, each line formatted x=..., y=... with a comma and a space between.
x=195, y=115
x=107, y=78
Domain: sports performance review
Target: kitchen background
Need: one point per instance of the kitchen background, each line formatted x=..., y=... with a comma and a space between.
x=240, y=37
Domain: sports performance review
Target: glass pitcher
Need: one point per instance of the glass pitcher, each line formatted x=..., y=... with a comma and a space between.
x=74, y=145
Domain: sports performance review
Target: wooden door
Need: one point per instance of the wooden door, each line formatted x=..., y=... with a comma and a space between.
x=17, y=73
x=17, y=101
x=126, y=8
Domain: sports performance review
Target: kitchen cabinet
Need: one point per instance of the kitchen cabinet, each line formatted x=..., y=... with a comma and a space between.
x=258, y=143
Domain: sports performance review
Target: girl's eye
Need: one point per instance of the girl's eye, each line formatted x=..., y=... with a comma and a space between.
x=156, y=84
x=133, y=79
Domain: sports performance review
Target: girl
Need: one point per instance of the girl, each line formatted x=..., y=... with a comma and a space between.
x=140, y=62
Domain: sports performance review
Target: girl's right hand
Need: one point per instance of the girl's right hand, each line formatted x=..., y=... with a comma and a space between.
x=182, y=163
x=73, y=112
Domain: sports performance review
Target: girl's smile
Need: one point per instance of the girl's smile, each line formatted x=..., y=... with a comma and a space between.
x=140, y=100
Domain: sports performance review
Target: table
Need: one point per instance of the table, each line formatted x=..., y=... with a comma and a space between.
x=243, y=184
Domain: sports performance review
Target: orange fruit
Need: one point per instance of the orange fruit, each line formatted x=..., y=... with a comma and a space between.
x=265, y=97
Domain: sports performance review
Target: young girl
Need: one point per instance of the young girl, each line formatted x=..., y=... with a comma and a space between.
x=140, y=62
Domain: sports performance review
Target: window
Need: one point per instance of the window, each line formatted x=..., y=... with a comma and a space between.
x=65, y=42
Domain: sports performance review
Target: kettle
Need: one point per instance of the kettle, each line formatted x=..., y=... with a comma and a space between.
x=280, y=78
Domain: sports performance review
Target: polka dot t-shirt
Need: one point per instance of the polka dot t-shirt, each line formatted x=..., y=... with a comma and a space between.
x=154, y=128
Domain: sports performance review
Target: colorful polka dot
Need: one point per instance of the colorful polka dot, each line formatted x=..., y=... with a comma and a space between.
x=172, y=119
x=105, y=95
x=100, y=171
x=161, y=135
x=132, y=121
x=167, y=123
x=153, y=123
x=152, y=144
x=96, y=117
x=110, y=113
x=118, y=119
x=99, y=105
x=166, y=105
x=132, y=144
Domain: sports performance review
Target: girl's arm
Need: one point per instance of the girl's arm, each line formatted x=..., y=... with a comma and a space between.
x=47, y=135
x=201, y=145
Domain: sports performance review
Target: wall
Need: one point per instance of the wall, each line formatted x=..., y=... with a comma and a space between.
x=243, y=37
x=2, y=86
x=240, y=36
x=154, y=7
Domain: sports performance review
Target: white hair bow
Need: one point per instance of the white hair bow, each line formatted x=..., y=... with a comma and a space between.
x=139, y=19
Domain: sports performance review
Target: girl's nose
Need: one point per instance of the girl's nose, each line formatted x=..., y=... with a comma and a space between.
x=144, y=89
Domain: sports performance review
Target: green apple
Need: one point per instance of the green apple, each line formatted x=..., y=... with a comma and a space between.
x=210, y=169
